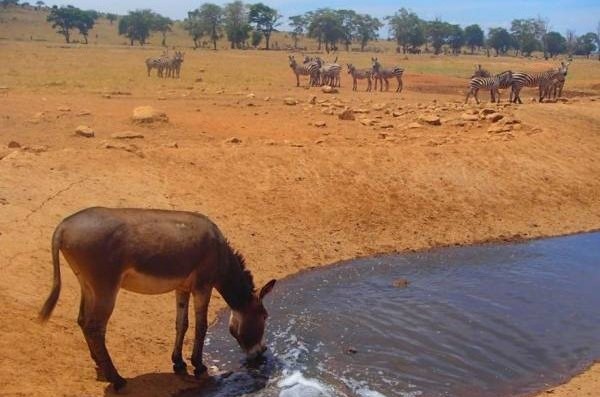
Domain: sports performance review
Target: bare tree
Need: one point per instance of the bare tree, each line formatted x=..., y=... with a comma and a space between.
x=571, y=41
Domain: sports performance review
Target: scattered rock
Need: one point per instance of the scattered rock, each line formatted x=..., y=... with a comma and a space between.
x=414, y=125
x=172, y=145
x=430, y=119
x=35, y=148
x=328, y=111
x=64, y=109
x=401, y=283
x=469, y=117
x=487, y=111
x=267, y=98
x=233, y=140
x=13, y=145
x=126, y=147
x=347, y=115
x=127, y=135
x=147, y=114
x=494, y=117
x=313, y=100
x=386, y=126
x=396, y=113
x=361, y=111
x=81, y=113
x=498, y=128
x=329, y=90
x=368, y=122
x=250, y=96
x=320, y=124
x=379, y=106
x=290, y=101
x=84, y=131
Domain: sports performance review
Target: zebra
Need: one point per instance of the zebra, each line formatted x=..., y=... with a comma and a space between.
x=173, y=65
x=330, y=73
x=315, y=77
x=359, y=74
x=382, y=75
x=308, y=69
x=481, y=72
x=502, y=80
x=540, y=80
x=552, y=88
x=157, y=63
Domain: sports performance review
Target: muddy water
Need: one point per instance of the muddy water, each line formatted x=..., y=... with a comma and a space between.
x=493, y=320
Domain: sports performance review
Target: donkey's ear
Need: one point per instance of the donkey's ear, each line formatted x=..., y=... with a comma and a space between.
x=266, y=289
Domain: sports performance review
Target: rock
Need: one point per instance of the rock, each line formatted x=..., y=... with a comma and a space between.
x=147, y=114
x=64, y=109
x=35, y=148
x=415, y=125
x=319, y=141
x=471, y=111
x=386, y=126
x=39, y=115
x=328, y=111
x=84, y=131
x=320, y=124
x=563, y=100
x=290, y=101
x=267, y=98
x=121, y=146
x=396, y=113
x=162, y=98
x=347, y=115
x=486, y=111
x=361, y=111
x=83, y=113
x=329, y=90
x=498, y=128
x=172, y=145
x=338, y=105
x=494, y=117
x=106, y=96
x=127, y=135
x=379, y=106
x=469, y=117
x=4, y=153
x=198, y=80
x=456, y=123
x=367, y=122
x=401, y=283
x=250, y=96
x=382, y=135
x=313, y=100
x=430, y=119
x=510, y=121
x=13, y=145
x=233, y=140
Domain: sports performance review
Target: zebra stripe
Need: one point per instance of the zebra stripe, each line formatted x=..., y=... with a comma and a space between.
x=310, y=68
x=502, y=80
x=382, y=74
x=330, y=73
x=481, y=72
x=540, y=80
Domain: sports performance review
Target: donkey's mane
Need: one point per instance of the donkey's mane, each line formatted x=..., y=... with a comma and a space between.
x=240, y=286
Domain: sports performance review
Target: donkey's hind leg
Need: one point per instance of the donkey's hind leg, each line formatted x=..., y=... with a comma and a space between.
x=94, y=330
x=81, y=319
x=181, y=326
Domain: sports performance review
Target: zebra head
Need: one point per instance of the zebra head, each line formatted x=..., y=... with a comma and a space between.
x=564, y=68
x=292, y=60
x=351, y=67
x=480, y=72
x=375, y=65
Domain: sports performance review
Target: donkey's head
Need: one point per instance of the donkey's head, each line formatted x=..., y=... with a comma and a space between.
x=247, y=325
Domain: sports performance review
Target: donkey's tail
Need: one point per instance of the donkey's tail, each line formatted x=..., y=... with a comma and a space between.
x=48, y=307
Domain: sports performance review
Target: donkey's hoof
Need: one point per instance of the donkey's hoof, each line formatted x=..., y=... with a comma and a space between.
x=180, y=368
x=200, y=371
x=119, y=384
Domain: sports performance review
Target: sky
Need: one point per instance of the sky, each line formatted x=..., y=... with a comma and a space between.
x=582, y=16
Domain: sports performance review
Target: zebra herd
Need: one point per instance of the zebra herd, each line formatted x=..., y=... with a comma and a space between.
x=550, y=83
x=165, y=65
x=322, y=73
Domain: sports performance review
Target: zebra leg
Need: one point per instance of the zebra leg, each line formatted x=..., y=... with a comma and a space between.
x=399, y=89
x=368, y=84
x=298, y=80
x=475, y=92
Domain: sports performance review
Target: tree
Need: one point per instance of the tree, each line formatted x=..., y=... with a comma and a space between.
x=456, y=38
x=265, y=19
x=256, y=38
x=347, y=20
x=85, y=22
x=529, y=34
x=571, y=41
x=64, y=20
x=555, y=43
x=326, y=27
x=367, y=29
x=500, y=40
x=474, y=37
x=137, y=25
x=438, y=32
x=163, y=25
x=407, y=28
x=586, y=44
x=298, y=24
x=7, y=3
x=111, y=17
x=205, y=21
x=236, y=23
x=39, y=4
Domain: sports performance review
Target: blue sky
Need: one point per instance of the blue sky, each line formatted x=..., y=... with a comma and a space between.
x=579, y=15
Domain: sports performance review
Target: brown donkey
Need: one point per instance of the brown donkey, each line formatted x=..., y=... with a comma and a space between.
x=154, y=252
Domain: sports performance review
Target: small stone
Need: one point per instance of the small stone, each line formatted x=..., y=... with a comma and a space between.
x=415, y=125
x=487, y=111
x=64, y=109
x=83, y=113
x=313, y=100
x=329, y=90
x=367, y=122
x=382, y=135
x=430, y=119
x=233, y=140
x=319, y=141
x=198, y=80
x=471, y=111
x=469, y=117
x=498, y=128
x=320, y=124
x=328, y=111
x=361, y=111
x=396, y=113
x=13, y=145
x=162, y=98
x=250, y=96
x=172, y=145
x=106, y=96
x=84, y=131
x=510, y=121
x=126, y=135
x=494, y=117
x=147, y=114
x=290, y=101
x=401, y=283
x=379, y=106
x=347, y=115
x=36, y=148
x=267, y=98
x=386, y=126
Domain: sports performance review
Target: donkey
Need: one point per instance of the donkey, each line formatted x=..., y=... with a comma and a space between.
x=153, y=252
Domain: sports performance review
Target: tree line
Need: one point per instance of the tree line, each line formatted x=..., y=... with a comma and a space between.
x=246, y=25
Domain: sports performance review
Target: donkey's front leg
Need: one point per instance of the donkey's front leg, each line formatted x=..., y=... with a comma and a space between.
x=201, y=300
x=181, y=326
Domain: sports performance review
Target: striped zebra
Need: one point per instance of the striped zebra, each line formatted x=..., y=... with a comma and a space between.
x=552, y=88
x=540, y=80
x=173, y=65
x=157, y=63
x=481, y=72
x=310, y=69
x=494, y=83
x=359, y=74
x=381, y=74
x=330, y=73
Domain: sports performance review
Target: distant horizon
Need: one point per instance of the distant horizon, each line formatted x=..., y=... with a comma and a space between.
x=581, y=16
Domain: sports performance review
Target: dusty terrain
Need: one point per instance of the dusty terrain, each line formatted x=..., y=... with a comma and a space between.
x=288, y=193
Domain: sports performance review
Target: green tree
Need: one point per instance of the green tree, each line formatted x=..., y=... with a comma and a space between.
x=137, y=25
x=555, y=43
x=586, y=44
x=163, y=25
x=367, y=29
x=237, y=27
x=64, y=20
x=456, y=38
x=111, y=17
x=205, y=21
x=438, y=33
x=265, y=19
x=326, y=27
x=474, y=37
x=39, y=4
x=85, y=22
x=298, y=24
x=528, y=34
x=256, y=38
x=407, y=28
x=500, y=40
x=7, y=3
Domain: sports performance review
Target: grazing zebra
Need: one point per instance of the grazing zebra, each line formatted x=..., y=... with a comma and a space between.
x=481, y=72
x=330, y=73
x=310, y=69
x=382, y=75
x=359, y=74
x=502, y=80
x=540, y=80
